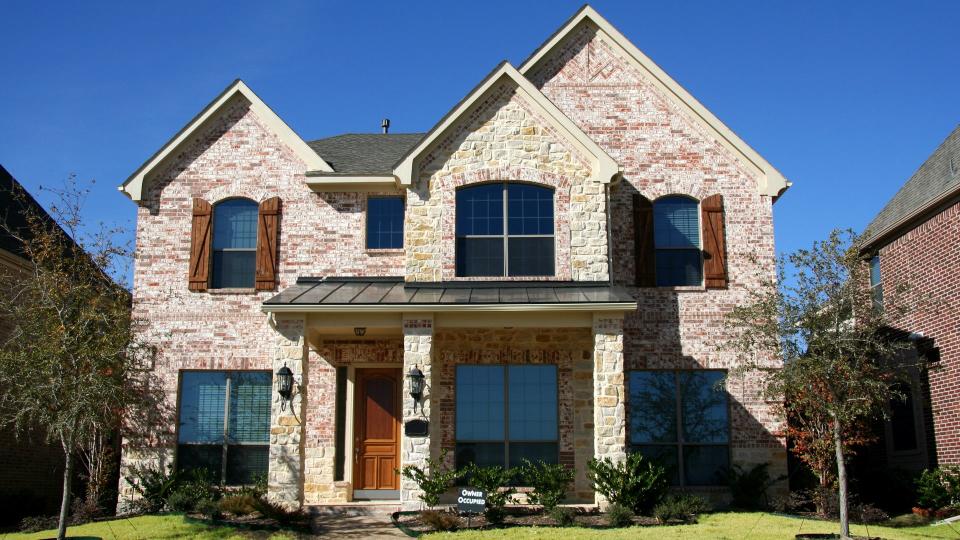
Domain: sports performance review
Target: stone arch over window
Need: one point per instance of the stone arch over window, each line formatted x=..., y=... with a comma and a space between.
x=234, y=252
x=505, y=229
x=677, y=241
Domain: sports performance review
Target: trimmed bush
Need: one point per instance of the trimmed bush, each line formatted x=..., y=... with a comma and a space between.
x=154, y=485
x=433, y=480
x=564, y=516
x=637, y=483
x=549, y=482
x=619, y=515
x=682, y=507
x=497, y=483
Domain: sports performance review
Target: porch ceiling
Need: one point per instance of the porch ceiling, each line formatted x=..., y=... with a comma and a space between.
x=391, y=294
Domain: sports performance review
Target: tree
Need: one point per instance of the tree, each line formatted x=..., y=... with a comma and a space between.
x=70, y=358
x=836, y=346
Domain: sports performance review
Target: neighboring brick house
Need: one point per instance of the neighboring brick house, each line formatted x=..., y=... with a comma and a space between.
x=915, y=241
x=555, y=256
x=31, y=478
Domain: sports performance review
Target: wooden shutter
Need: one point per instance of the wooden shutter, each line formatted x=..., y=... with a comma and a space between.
x=268, y=235
x=714, y=242
x=200, y=237
x=643, y=247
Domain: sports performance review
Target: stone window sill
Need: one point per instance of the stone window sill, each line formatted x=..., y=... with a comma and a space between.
x=685, y=288
x=391, y=251
x=235, y=290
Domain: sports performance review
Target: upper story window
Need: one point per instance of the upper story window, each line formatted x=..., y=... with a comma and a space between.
x=676, y=233
x=505, y=229
x=876, y=286
x=234, y=244
x=385, y=223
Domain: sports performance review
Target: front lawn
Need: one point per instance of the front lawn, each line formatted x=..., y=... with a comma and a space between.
x=753, y=525
x=161, y=526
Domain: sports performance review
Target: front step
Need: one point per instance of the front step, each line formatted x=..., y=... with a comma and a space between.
x=372, y=508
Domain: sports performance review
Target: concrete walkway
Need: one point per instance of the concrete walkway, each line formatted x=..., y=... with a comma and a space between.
x=354, y=521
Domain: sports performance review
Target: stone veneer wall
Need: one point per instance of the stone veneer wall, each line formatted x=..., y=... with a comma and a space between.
x=570, y=349
x=505, y=139
x=663, y=151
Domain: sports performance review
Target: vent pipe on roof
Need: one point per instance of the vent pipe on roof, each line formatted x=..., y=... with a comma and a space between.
x=385, y=125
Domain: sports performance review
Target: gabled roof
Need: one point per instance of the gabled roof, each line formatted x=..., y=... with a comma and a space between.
x=133, y=187
x=370, y=154
x=15, y=205
x=937, y=180
x=603, y=167
x=771, y=183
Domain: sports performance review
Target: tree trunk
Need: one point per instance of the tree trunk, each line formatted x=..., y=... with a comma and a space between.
x=841, y=480
x=65, y=501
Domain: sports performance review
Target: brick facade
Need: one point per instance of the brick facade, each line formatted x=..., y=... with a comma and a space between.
x=662, y=151
x=926, y=257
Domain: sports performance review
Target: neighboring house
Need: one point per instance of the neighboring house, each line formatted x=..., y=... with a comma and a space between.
x=31, y=477
x=915, y=241
x=556, y=256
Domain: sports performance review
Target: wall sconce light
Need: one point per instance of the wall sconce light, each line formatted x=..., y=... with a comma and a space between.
x=359, y=331
x=416, y=379
x=284, y=385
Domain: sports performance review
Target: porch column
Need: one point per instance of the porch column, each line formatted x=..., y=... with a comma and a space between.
x=417, y=351
x=285, y=478
x=609, y=407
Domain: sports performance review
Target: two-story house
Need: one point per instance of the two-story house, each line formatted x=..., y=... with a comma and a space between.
x=915, y=242
x=555, y=257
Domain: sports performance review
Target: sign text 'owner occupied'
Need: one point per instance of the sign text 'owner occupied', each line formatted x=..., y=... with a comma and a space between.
x=471, y=500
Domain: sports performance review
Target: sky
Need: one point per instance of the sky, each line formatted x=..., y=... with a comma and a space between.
x=846, y=99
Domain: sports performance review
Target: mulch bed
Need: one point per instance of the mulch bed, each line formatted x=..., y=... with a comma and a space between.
x=256, y=521
x=516, y=517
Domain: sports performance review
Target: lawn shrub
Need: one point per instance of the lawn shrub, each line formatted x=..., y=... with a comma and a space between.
x=275, y=511
x=440, y=521
x=496, y=482
x=31, y=524
x=749, y=486
x=208, y=508
x=192, y=488
x=433, y=480
x=238, y=504
x=619, y=515
x=256, y=490
x=938, y=488
x=636, y=482
x=682, y=507
x=549, y=482
x=563, y=516
x=154, y=485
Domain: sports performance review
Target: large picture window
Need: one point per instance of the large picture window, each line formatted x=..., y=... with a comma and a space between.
x=505, y=414
x=505, y=229
x=224, y=424
x=234, y=244
x=681, y=419
x=676, y=236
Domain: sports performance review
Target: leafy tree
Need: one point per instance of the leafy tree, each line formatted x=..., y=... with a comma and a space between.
x=836, y=347
x=69, y=355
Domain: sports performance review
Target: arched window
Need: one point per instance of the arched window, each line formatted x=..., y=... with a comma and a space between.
x=676, y=234
x=234, y=244
x=505, y=229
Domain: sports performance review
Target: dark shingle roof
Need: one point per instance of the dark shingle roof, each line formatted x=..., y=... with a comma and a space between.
x=15, y=203
x=365, y=153
x=938, y=176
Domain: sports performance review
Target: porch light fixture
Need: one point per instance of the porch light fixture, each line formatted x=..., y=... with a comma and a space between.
x=284, y=385
x=416, y=379
x=359, y=330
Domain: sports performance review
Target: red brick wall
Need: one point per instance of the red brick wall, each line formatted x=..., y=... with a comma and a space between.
x=927, y=258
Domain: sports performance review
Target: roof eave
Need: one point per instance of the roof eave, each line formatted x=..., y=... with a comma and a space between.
x=909, y=220
x=465, y=308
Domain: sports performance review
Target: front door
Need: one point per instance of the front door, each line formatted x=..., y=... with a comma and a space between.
x=377, y=434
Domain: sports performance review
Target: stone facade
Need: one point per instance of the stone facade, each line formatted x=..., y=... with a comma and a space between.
x=662, y=151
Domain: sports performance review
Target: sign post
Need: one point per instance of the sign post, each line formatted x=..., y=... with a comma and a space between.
x=471, y=501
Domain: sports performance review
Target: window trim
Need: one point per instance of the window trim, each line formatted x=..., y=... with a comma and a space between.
x=698, y=248
x=214, y=250
x=876, y=289
x=366, y=223
x=506, y=236
x=226, y=419
x=679, y=444
x=506, y=411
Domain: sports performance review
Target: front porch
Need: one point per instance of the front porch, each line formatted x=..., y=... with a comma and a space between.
x=353, y=421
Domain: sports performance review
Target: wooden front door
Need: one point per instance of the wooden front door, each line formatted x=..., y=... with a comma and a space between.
x=377, y=430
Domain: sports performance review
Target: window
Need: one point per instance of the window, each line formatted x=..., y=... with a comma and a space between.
x=876, y=286
x=676, y=237
x=224, y=424
x=680, y=419
x=385, y=223
x=506, y=414
x=505, y=229
x=234, y=244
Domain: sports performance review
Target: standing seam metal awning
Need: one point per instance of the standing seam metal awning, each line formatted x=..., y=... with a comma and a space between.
x=391, y=294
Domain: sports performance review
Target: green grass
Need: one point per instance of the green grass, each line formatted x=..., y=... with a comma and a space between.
x=150, y=527
x=723, y=526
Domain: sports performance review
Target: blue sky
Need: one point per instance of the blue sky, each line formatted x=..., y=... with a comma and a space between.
x=845, y=98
